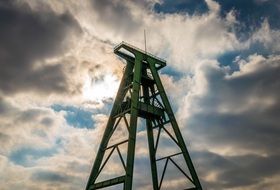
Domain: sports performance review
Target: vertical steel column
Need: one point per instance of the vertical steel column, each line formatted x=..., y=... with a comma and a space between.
x=150, y=135
x=135, y=71
x=109, y=127
x=174, y=124
x=133, y=121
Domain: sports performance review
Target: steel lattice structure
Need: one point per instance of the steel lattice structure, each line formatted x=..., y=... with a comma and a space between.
x=141, y=94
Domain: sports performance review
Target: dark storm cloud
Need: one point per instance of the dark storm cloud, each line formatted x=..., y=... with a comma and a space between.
x=57, y=180
x=255, y=126
x=26, y=37
x=253, y=132
x=250, y=169
x=242, y=126
x=29, y=115
x=235, y=171
x=47, y=121
x=50, y=176
x=117, y=15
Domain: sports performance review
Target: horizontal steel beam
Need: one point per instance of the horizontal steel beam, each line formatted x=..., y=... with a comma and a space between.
x=161, y=124
x=108, y=183
x=168, y=156
x=117, y=144
x=160, y=63
x=148, y=109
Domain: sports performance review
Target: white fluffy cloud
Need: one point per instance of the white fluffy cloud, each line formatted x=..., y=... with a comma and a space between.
x=228, y=116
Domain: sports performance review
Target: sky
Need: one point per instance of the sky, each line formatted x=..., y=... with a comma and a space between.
x=59, y=77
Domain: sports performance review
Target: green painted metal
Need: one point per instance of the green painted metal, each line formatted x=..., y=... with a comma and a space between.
x=150, y=135
x=133, y=121
x=140, y=94
x=109, y=127
x=174, y=124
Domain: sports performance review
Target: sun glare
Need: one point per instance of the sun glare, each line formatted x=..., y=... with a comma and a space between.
x=101, y=89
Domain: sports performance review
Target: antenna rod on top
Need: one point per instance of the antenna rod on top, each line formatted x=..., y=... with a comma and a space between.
x=145, y=41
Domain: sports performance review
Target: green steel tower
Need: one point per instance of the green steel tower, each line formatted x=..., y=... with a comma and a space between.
x=141, y=94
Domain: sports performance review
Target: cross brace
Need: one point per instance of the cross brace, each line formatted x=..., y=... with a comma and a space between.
x=141, y=94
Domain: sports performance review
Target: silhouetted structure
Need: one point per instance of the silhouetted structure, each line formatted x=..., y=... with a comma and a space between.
x=141, y=94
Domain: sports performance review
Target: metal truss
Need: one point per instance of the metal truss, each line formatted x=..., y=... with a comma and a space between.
x=141, y=94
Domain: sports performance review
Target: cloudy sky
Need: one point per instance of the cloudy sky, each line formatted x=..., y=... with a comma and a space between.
x=59, y=76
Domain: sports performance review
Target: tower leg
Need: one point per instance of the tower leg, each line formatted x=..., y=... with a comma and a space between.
x=174, y=125
x=152, y=154
x=109, y=128
x=151, y=144
x=136, y=85
x=133, y=122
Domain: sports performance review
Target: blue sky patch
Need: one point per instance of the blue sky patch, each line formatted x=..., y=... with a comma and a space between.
x=177, y=75
x=27, y=156
x=252, y=13
x=228, y=59
x=181, y=6
x=75, y=116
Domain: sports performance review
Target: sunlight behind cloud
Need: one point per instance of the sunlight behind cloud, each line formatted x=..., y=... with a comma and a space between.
x=98, y=90
x=221, y=78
